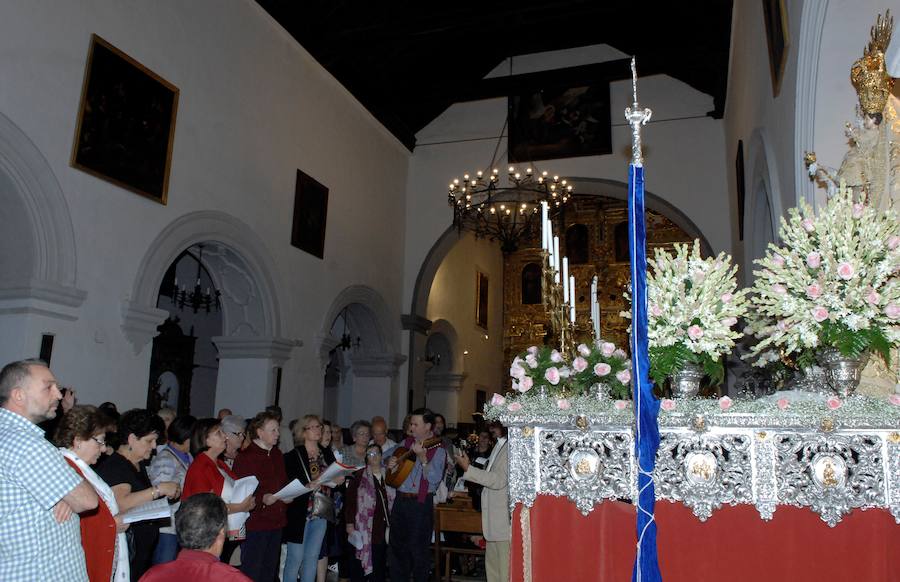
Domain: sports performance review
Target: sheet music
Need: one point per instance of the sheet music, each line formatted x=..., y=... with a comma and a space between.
x=292, y=490
x=337, y=470
x=158, y=509
x=241, y=490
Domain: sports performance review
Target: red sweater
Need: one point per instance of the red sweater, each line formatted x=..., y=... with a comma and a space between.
x=268, y=467
x=203, y=476
x=98, y=537
x=194, y=566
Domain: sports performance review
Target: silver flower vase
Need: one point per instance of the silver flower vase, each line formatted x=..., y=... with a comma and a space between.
x=598, y=391
x=543, y=392
x=686, y=382
x=842, y=373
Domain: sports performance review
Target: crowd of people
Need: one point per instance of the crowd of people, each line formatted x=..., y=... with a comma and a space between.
x=69, y=474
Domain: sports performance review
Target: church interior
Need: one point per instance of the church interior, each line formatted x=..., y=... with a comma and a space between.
x=284, y=236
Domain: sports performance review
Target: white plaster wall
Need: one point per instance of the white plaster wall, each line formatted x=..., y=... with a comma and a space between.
x=684, y=153
x=254, y=107
x=453, y=299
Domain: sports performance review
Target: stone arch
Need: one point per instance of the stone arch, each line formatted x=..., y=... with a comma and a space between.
x=763, y=193
x=238, y=262
x=33, y=198
x=372, y=319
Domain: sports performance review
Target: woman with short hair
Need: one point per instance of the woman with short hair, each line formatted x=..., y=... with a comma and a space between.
x=125, y=473
x=81, y=438
x=367, y=511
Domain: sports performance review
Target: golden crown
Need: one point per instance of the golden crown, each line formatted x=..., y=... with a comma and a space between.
x=869, y=76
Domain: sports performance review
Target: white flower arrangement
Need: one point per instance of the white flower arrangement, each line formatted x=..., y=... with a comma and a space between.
x=693, y=305
x=833, y=282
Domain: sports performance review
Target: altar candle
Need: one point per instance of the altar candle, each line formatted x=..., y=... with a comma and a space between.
x=565, y=278
x=572, y=297
x=556, y=256
x=544, y=244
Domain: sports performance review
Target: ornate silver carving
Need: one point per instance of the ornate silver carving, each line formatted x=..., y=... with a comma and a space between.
x=636, y=117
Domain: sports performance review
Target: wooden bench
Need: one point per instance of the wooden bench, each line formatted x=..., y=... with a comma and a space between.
x=455, y=517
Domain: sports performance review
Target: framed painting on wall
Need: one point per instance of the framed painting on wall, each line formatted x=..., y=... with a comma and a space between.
x=310, y=215
x=554, y=123
x=126, y=123
x=481, y=300
x=775, y=13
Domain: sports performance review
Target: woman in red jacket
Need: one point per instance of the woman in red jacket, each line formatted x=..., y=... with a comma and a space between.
x=81, y=436
x=261, y=551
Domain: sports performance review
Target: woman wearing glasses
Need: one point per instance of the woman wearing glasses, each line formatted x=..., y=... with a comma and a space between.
x=367, y=510
x=81, y=438
x=305, y=530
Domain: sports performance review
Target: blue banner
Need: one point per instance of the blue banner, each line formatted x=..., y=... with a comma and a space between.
x=646, y=406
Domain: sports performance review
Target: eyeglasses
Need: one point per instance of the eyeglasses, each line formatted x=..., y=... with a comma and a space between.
x=313, y=427
x=239, y=435
x=102, y=443
x=373, y=454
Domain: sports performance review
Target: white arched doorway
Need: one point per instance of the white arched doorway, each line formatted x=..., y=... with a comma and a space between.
x=359, y=358
x=444, y=374
x=38, y=292
x=250, y=349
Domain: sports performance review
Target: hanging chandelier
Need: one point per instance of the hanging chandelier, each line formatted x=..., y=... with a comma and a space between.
x=196, y=298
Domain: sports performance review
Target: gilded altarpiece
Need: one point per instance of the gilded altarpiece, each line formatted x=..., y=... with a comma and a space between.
x=599, y=224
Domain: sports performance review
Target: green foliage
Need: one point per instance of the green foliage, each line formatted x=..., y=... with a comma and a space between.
x=853, y=343
x=666, y=361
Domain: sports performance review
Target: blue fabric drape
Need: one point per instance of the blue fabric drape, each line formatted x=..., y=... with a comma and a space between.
x=646, y=406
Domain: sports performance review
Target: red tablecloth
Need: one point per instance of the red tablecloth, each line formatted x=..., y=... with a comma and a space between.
x=734, y=545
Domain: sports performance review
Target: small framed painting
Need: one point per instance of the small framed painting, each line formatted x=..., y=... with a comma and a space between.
x=777, y=38
x=126, y=123
x=481, y=300
x=310, y=215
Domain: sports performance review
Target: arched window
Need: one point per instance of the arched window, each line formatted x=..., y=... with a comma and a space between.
x=531, y=284
x=578, y=244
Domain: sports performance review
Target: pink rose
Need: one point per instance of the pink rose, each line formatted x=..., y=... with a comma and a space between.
x=516, y=370
x=552, y=375
x=497, y=400
x=514, y=407
x=620, y=404
x=602, y=369
x=729, y=321
x=667, y=404
x=563, y=404
x=624, y=376
x=584, y=350
x=725, y=403
x=533, y=350
x=858, y=210
x=698, y=276
x=894, y=399
x=808, y=225
x=526, y=384
x=846, y=271
x=778, y=261
x=695, y=332
x=580, y=364
x=607, y=349
x=556, y=357
x=872, y=296
x=833, y=403
x=778, y=288
x=814, y=291
x=893, y=242
x=783, y=403
x=531, y=360
x=655, y=310
x=727, y=297
x=619, y=353
x=892, y=310
x=813, y=260
x=820, y=314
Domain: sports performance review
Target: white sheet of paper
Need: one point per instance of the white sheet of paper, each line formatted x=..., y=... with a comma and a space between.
x=292, y=490
x=158, y=509
x=241, y=489
x=337, y=470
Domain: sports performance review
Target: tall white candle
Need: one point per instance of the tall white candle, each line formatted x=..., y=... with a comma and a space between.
x=565, y=278
x=556, y=256
x=572, y=298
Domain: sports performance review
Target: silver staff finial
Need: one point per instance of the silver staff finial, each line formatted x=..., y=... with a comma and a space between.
x=636, y=118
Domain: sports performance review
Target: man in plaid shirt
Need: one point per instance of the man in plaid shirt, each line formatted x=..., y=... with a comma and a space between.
x=40, y=538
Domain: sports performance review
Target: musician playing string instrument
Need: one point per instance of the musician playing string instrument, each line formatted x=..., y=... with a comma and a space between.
x=412, y=519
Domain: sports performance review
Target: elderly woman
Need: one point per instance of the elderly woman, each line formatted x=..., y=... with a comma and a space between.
x=81, y=438
x=367, y=509
x=234, y=428
x=305, y=532
x=125, y=473
x=171, y=464
x=261, y=551
x=355, y=454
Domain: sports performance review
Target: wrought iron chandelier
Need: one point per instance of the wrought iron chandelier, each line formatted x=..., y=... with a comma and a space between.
x=196, y=299
x=505, y=212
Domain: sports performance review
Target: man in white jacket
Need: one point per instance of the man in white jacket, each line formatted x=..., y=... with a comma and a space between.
x=495, y=518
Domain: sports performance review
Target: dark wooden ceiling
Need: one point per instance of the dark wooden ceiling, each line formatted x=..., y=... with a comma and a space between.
x=408, y=60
